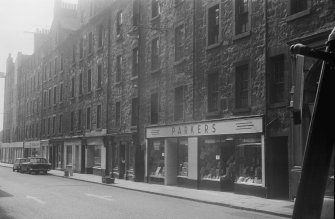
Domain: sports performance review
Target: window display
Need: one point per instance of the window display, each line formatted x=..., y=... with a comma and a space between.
x=182, y=157
x=249, y=161
x=68, y=155
x=97, y=155
x=156, y=155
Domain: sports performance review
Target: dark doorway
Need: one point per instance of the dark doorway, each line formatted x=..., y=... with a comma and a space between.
x=83, y=155
x=122, y=161
x=279, y=167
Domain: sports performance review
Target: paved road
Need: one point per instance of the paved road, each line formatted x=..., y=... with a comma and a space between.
x=45, y=196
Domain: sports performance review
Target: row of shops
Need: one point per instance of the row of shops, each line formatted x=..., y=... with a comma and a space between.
x=226, y=155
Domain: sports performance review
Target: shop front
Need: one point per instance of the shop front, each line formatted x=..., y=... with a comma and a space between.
x=32, y=148
x=73, y=155
x=45, y=149
x=226, y=155
x=95, y=156
x=10, y=151
x=56, y=153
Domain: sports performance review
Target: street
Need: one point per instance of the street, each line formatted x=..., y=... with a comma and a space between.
x=46, y=196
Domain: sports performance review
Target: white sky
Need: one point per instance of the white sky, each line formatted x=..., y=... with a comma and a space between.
x=16, y=18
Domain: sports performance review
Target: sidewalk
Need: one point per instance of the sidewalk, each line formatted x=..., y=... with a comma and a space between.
x=228, y=199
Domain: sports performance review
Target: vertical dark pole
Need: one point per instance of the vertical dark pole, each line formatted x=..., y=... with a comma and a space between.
x=319, y=146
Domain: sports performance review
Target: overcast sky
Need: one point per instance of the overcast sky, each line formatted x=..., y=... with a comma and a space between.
x=18, y=18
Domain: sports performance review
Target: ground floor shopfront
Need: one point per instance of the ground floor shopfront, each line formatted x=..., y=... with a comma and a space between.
x=226, y=155
x=10, y=151
x=32, y=148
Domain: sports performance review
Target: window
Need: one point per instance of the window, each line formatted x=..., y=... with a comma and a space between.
x=50, y=97
x=297, y=6
x=118, y=68
x=155, y=9
x=277, y=82
x=79, y=119
x=74, y=53
x=213, y=92
x=54, y=124
x=89, y=80
x=99, y=76
x=88, y=118
x=50, y=71
x=90, y=42
x=156, y=161
x=97, y=155
x=118, y=23
x=80, y=84
x=61, y=63
x=72, y=121
x=213, y=24
x=154, y=108
x=45, y=99
x=81, y=48
x=98, y=116
x=182, y=157
x=72, y=87
x=61, y=93
x=55, y=95
x=56, y=63
x=136, y=12
x=49, y=124
x=69, y=155
x=134, y=111
x=135, y=62
x=100, y=35
x=117, y=113
x=179, y=42
x=60, y=124
x=241, y=16
x=179, y=103
x=242, y=86
x=154, y=54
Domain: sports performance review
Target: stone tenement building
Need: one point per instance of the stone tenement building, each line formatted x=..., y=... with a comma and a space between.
x=180, y=92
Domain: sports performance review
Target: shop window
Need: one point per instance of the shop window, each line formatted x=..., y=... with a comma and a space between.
x=241, y=16
x=89, y=81
x=154, y=108
x=249, y=160
x=88, y=118
x=216, y=158
x=242, y=87
x=68, y=155
x=154, y=54
x=98, y=116
x=277, y=79
x=213, y=25
x=99, y=76
x=118, y=23
x=135, y=62
x=134, y=111
x=90, y=42
x=297, y=6
x=117, y=114
x=97, y=155
x=213, y=92
x=182, y=157
x=59, y=156
x=179, y=42
x=118, y=68
x=155, y=8
x=80, y=84
x=179, y=103
x=156, y=163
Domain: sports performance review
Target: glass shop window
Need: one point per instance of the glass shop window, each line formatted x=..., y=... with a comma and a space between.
x=249, y=160
x=216, y=157
x=68, y=155
x=97, y=155
x=183, y=157
x=156, y=156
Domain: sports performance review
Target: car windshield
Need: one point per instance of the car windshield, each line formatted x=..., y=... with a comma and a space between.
x=38, y=160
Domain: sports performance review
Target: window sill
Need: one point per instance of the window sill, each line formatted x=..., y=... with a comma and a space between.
x=298, y=15
x=242, y=110
x=242, y=35
x=212, y=46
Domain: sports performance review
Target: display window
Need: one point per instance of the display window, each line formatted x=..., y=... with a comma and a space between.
x=216, y=158
x=182, y=157
x=97, y=155
x=156, y=156
x=131, y=160
x=68, y=155
x=249, y=160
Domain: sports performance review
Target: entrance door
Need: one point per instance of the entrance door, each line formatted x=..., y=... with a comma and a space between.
x=122, y=161
x=83, y=159
x=279, y=167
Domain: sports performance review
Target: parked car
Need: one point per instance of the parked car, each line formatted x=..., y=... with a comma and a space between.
x=17, y=164
x=36, y=165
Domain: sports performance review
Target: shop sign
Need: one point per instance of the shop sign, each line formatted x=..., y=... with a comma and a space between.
x=215, y=127
x=32, y=144
x=12, y=145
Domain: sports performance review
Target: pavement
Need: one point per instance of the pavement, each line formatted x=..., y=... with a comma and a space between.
x=276, y=207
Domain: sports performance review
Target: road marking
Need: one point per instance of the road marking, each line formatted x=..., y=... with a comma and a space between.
x=35, y=199
x=106, y=198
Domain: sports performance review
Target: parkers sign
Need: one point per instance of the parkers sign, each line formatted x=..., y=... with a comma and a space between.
x=214, y=127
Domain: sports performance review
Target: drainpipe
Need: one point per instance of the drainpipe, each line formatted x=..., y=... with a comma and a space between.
x=107, y=95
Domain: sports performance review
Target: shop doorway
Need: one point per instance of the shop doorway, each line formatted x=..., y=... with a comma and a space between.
x=83, y=159
x=279, y=167
x=122, y=161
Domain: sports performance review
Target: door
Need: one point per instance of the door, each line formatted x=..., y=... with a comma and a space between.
x=83, y=159
x=122, y=160
x=279, y=167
